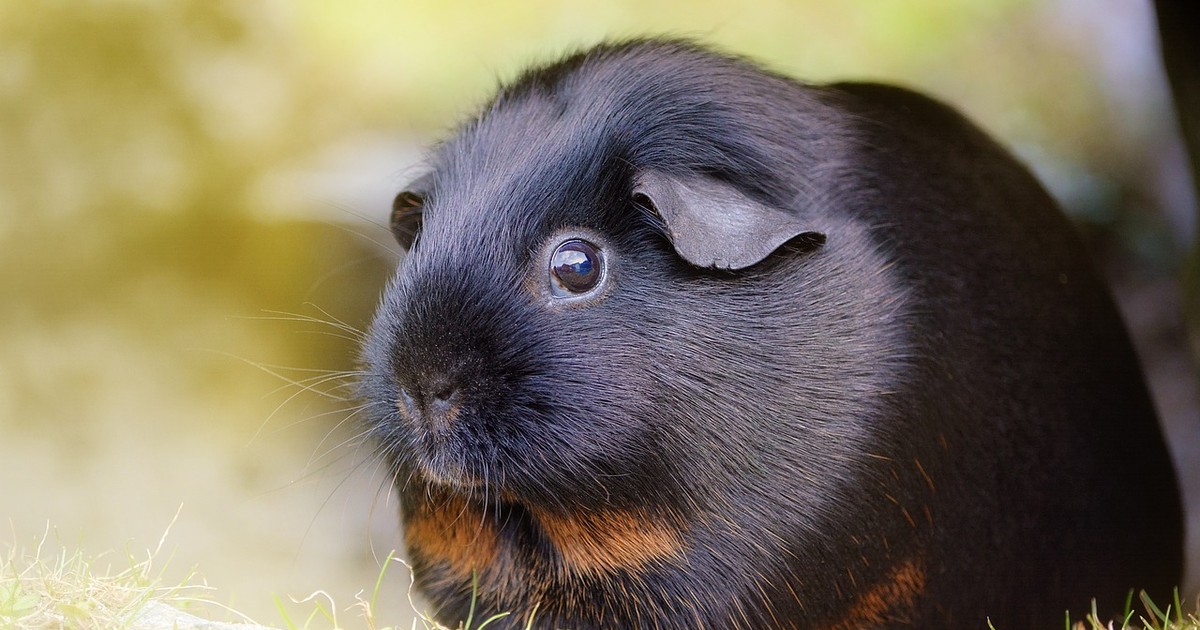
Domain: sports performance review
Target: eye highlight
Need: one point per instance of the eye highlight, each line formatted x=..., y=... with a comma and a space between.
x=576, y=267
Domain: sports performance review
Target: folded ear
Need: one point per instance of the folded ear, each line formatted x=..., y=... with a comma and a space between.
x=713, y=225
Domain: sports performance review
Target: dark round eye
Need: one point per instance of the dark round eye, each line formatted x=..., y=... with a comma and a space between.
x=406, y=217
x=575, y=268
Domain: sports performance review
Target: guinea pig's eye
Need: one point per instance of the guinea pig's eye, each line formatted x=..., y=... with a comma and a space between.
x=575, y=267
x=406, y=218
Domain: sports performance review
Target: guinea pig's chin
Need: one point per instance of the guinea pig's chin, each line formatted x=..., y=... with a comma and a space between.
x=439, y=471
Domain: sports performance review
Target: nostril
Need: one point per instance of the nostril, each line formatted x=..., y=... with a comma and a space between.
x=432, y=399
x=442, y=396
x=443, y=392
x=408, y=402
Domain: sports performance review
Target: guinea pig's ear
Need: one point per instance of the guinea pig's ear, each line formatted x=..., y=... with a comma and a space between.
x=713, y=225
x=405, y=221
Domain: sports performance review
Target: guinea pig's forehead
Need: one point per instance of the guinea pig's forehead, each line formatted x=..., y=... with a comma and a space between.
x=503, y=217
x=520, y=183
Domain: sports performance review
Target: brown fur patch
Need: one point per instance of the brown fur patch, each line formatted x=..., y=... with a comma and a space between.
x=888, y=601
x=601, y=542
x=449, y=529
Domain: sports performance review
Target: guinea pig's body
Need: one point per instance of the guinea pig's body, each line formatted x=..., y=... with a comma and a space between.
x=827, y=357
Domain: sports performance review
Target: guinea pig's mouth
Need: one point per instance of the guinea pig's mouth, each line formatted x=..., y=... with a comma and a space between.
x=443, y=465
x=454, y=478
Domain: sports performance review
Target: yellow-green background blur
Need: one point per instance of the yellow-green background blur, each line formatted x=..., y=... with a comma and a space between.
x=177, y=176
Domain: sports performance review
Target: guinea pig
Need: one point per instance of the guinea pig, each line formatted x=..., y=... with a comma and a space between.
x=679, y=342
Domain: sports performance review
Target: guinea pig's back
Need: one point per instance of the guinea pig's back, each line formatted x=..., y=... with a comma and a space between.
x=1027, y=397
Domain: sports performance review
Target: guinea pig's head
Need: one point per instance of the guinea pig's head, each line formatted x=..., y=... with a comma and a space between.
x=625, y=306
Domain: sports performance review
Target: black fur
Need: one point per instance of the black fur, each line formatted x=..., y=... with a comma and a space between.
x=932, y=417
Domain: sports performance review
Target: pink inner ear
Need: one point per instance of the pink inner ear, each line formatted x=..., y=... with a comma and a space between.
x=714, y=225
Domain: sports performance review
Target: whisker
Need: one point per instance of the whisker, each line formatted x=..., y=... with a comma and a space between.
x=341, y=324
x=388, y=247
x=334, y=272
x=319, y=380
x=285, y=316
x=333, y=492
x=391, y=249
x=267, y=368
x=366, y=218
x=302, y=388
x=354, y=439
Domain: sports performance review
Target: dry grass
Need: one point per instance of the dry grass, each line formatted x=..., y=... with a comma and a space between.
x=69, y=589
x=44, y=590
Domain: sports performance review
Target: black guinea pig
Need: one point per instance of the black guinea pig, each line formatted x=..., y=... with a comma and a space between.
x=682, y=343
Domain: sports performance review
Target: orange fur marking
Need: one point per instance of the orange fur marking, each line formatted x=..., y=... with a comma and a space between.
x=601, y=542
x=451, y=530
x=887, y=601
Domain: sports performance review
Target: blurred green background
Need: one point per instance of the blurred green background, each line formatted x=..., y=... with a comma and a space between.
x=184, y=184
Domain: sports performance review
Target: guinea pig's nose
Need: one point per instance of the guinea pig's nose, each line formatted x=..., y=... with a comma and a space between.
x=440, y=395
x=432, y=400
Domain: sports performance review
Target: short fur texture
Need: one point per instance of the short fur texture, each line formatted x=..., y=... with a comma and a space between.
x=933, y=417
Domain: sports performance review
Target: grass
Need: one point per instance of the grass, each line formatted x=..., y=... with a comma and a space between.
x=40, y=590
x=324, y=608
x=69, y=589
x=1151, y=617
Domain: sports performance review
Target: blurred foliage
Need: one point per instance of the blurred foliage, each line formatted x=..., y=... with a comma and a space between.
x=116, y=113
